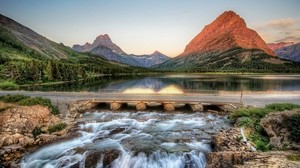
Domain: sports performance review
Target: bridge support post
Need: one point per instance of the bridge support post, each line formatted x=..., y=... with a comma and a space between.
x=140, y=106
x=169, y=107
x=196, y=107
x=115, y=106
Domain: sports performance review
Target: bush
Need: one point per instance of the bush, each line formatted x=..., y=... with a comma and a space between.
x=57, y=127
x=8, y=85
x=36, y=132
x=13, y=98
x=39, y=101
x=282, y=106
x=249, y=112
x=293, y=125
x=261, y=142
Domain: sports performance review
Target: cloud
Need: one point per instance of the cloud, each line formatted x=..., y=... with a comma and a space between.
x=281, y=23
x=279, y=30
x=289, y=39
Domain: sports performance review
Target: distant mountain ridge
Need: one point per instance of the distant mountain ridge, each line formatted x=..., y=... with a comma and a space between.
x=103, y=46
x=289, y=52
x=275, y=46
x=33, y=40
x=227, y=44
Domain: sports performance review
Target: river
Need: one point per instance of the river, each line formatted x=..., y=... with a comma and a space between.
x=133, y=140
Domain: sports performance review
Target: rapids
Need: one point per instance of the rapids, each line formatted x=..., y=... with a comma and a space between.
x=133, y=140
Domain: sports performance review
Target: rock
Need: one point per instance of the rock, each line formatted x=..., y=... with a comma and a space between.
x=275, y=126
x=116, y=131
x=95, y=156
x=227, y=158
x=92, y=159
x=115, y=106
x=196, y=107
x=169, y=107
x=110, y=156
x=274, y=159
x=140, y=106
x=229, y=140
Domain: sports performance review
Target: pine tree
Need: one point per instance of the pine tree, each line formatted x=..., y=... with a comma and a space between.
x=49, y=71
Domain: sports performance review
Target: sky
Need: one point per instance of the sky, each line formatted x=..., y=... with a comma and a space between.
x=143, y=26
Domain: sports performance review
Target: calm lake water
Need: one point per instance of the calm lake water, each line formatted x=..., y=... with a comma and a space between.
x=181, y=83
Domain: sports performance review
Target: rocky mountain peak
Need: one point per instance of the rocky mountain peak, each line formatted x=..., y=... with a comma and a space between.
x=227, y=31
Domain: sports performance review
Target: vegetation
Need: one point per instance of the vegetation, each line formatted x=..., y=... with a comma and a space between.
x=29, y=101
x=250, y=119
x=293, y=125
x=294, y=157
x=57, y=127
x=20, y=64
x=36, y=132
x=8, y=85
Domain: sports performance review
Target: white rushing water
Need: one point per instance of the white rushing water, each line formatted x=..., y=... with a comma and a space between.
x=133, y=140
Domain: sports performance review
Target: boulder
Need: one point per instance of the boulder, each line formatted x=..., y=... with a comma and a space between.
x=227, y=158
x=275, y=126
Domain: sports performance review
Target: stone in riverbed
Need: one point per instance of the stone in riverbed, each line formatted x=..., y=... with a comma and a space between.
x=94, y=157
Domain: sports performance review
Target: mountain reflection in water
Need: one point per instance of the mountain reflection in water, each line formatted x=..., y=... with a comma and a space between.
x=183, y=83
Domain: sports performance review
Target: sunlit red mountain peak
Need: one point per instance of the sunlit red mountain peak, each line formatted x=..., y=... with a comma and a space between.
x=229, y=30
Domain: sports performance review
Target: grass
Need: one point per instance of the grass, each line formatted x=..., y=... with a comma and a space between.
x=250, y=118
x=29, y=101
x=8, y=85
x=57, y=127
x=294, y=157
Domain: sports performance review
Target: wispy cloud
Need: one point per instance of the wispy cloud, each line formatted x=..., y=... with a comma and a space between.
x=286, y=29
x=281, y=23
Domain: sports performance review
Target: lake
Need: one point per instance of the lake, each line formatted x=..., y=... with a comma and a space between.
x=182, y=83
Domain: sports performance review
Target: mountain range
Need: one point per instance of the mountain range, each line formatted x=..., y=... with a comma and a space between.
x=288, y=51
x=227, y=44
x=104, y=47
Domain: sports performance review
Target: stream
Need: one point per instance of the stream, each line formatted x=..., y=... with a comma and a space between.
x=133, y=140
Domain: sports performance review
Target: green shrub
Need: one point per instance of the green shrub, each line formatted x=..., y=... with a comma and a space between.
x=261, y=142
x=39, y=101
x=293, y=124
x=8, y=85
x=13, y=98
x=36, y=132
x=57, y=127
x=249, y=112
x=282, y=106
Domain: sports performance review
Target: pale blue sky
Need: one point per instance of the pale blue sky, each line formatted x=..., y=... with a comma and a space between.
x=143, y=26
